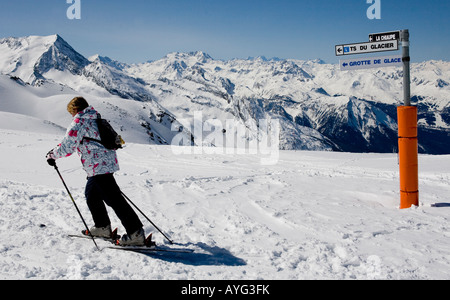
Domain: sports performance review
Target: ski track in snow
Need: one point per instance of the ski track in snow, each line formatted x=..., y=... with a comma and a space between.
x=313, y=215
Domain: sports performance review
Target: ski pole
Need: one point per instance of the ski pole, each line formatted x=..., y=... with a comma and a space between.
x=171, y=242
x=73, y=201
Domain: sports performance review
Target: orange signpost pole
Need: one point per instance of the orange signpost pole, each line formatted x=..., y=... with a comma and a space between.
x=407, y=136
x=408, y=156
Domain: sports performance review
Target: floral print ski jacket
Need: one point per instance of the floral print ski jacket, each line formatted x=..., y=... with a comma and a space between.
x=95, y=158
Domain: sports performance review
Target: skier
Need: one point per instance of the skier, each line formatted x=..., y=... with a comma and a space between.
x=100, y=165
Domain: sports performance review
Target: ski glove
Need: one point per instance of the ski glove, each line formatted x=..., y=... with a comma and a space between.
x=51, y=159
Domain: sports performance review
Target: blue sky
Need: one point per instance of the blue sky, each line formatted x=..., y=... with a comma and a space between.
x=139, y=30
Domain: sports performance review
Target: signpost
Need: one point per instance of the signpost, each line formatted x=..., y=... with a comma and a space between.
x=371, y=62
x=360, y=48
x=385, y=36
x=407, y=114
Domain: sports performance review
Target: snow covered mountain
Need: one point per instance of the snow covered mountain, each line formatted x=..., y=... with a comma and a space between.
x=317, y=106
x=43, y=68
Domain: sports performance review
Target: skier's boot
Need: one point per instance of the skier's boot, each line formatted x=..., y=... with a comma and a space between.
x=135, y=239
x=103, y=232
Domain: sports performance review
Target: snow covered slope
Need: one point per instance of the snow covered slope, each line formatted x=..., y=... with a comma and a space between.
x=318, y=106
x=313, y=215
x=139, y=122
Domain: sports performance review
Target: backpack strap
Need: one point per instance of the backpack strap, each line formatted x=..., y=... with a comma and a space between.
x=92, y=139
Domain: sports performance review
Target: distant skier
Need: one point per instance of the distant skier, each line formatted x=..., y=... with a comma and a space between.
x=100, y=165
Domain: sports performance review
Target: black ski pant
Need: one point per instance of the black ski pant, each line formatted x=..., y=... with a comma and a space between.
x=103, y=189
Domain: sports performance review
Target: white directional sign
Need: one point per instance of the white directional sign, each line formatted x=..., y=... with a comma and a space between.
x=360, y=48
x=370, y=62
x=384, y=36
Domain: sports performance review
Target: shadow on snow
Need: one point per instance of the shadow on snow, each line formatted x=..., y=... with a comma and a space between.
x=210, y=256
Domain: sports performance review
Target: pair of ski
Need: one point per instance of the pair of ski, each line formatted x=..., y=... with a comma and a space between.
x=149, y=245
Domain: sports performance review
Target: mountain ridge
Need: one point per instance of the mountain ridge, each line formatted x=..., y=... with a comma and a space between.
x=318, y=106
